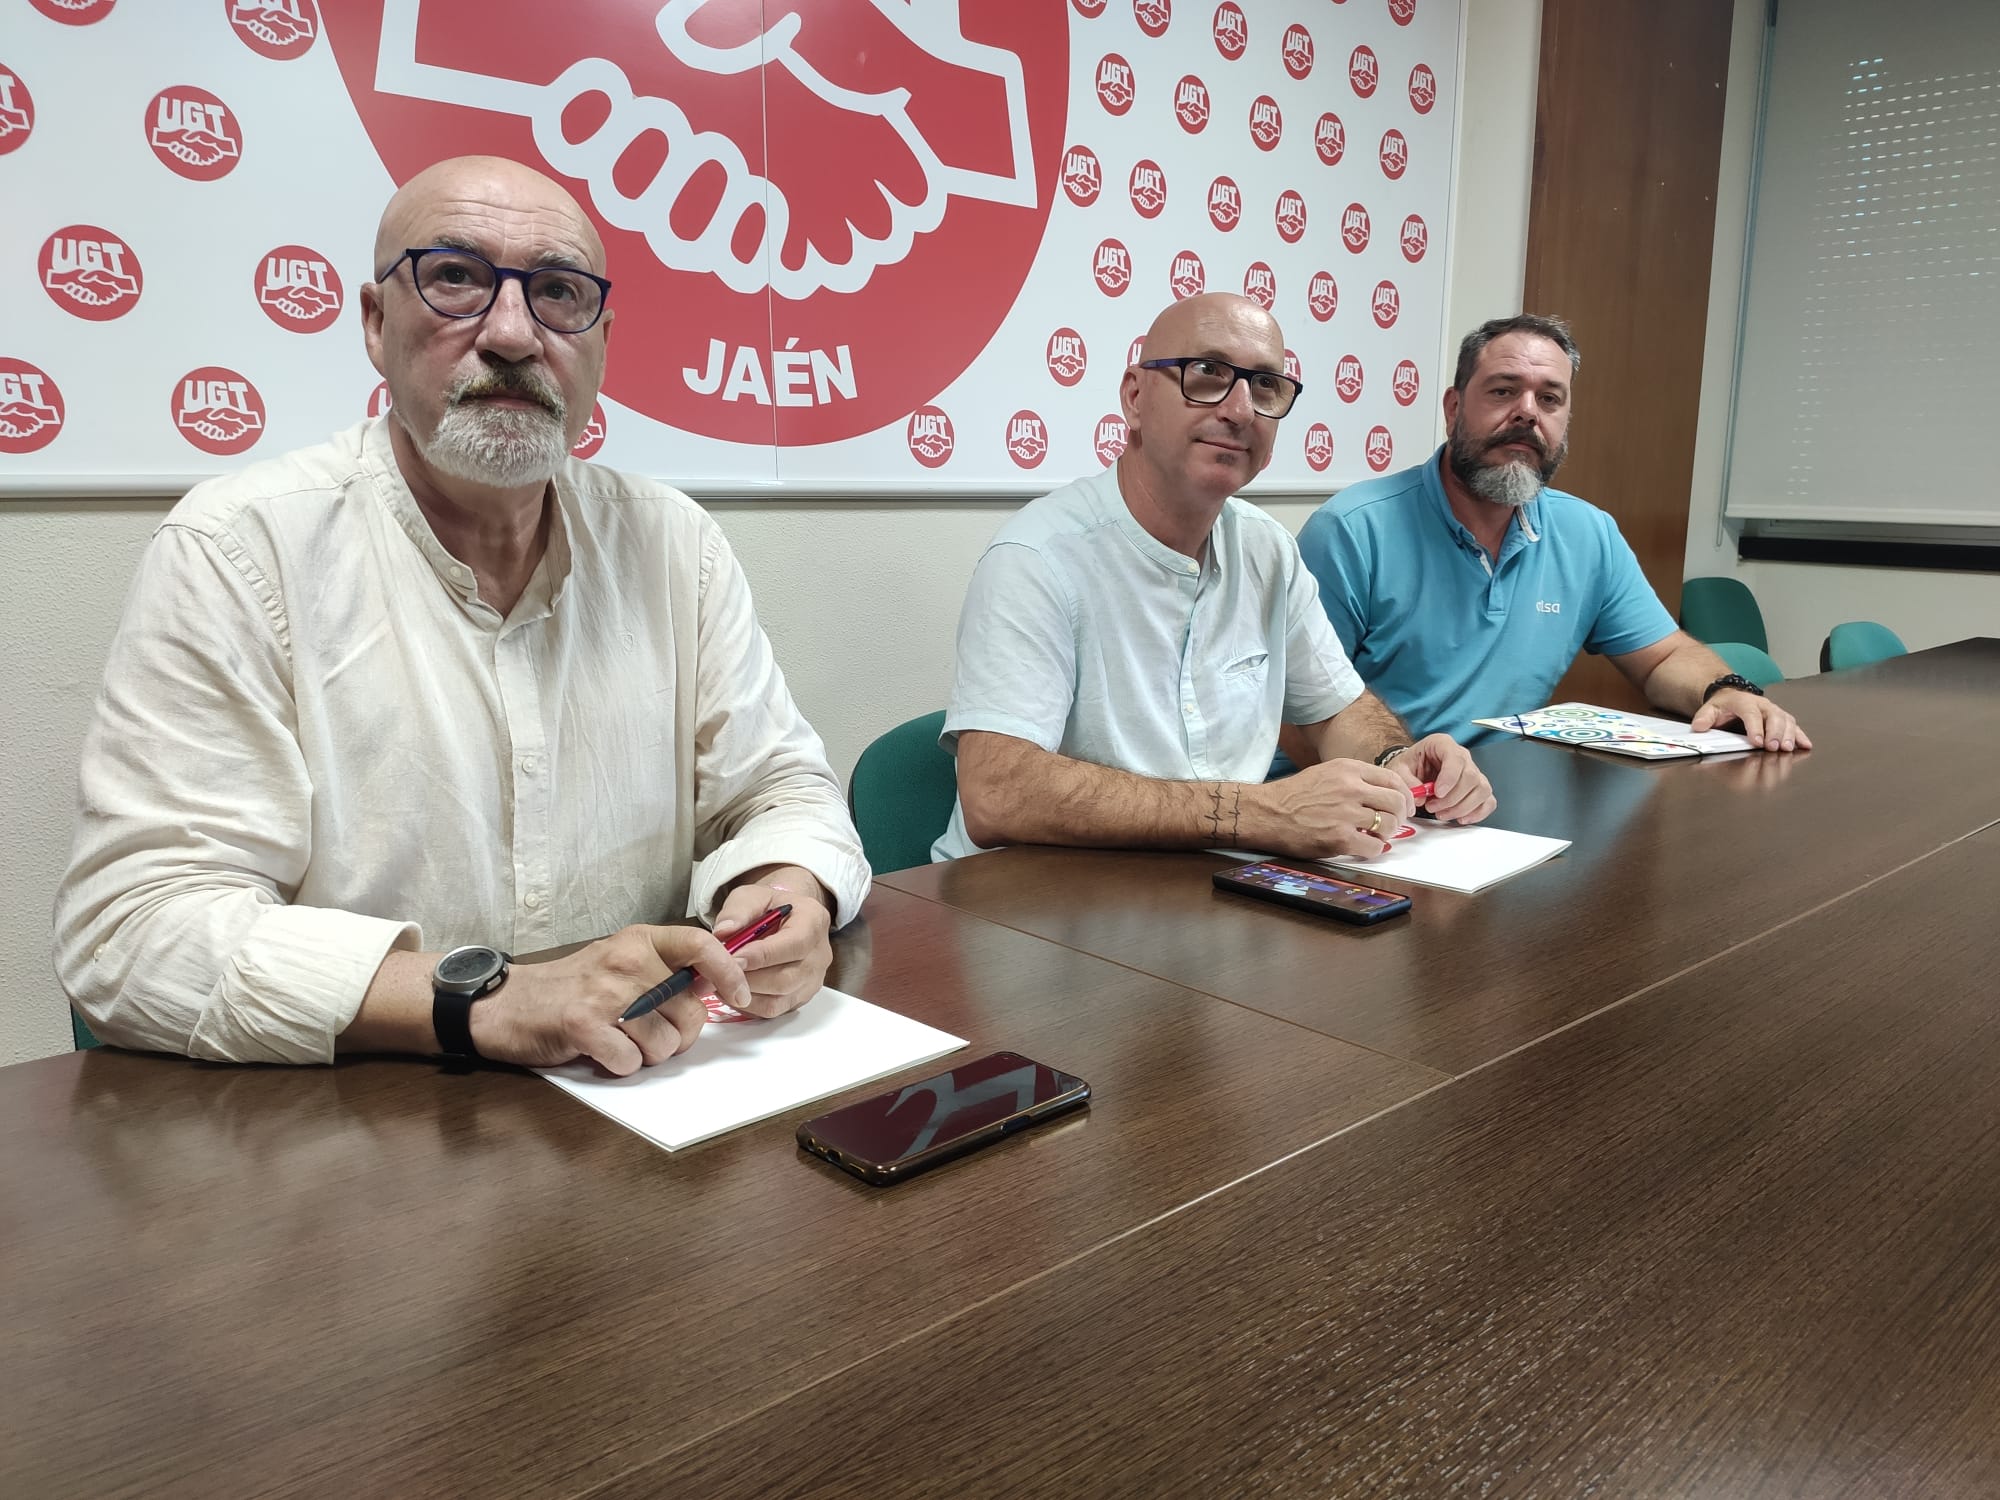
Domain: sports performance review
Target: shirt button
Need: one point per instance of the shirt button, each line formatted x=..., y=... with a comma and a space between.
x=529, y=765
x=533, y=901
x=460, y=575
x=1188, y=707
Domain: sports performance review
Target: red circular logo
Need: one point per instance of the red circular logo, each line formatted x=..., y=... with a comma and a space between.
x=1267, y=123
x=281, y=29
x=1319, y=447
x=1403, y=384
x=1231, y=30
x=1112, y=267
x=921, y=205
x=1416, y=238
x=1381, y=448
x=1153, y=16
x=379, y=400
x=1423, y=88
x=1292, y=366
x=929, y=437
x=1402, y=12
x=217, y=410
x=17, y=111
x=90, y=273
x=1027, y=439
x=592, y=437
x=1148, y=189
x=1260, y=285
x=1298, y=51
x=193, y=133
x=1225, y=204
x=1322, y=296
x=74, y=12
x=1354, y=228
x=1394, y=154
x=1363, y=71
x=1385, y=304
x=1347, y=378
x=1330, y=139
x=1191, y=105
x=1065, y=356
x=1290, y=216
x=299, y=289
x=1110, y=438
x=1116, y=87
x=1090, y=10
x=31, y=408
x=1188, y=277
x=1082, y=176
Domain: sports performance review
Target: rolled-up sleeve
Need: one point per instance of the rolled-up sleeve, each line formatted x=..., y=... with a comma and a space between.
x=173, y=928
x=764, y=793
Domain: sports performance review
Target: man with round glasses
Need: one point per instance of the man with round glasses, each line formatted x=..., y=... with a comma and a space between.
x=1131, y=644
x=383, y=711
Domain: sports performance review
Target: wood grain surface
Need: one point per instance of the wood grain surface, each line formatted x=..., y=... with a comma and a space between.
x=382, y=1279
x=1725, y=1239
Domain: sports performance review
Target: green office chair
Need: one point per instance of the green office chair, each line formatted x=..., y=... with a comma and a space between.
x=901, y=794
x=1857, y=643
x=1722, y=609
x=1748, y=661
x=80, y=1033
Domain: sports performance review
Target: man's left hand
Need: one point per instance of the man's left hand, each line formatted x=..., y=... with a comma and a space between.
x=1765, y=725
x=1460, y=791
x=786, y=969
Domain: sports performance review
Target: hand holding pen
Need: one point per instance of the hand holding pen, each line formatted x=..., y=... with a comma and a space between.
x=680, y=979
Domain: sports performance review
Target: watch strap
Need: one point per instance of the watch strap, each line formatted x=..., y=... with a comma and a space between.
x=451, y=1019
x=1390, y=754
x=1731, y=680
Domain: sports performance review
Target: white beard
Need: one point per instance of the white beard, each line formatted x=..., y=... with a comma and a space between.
x=1513, y=484
x=503, y=448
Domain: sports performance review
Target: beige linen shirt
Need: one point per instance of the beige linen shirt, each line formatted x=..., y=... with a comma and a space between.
x=315, y=744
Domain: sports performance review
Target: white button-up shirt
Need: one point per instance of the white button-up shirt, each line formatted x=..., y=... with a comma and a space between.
x=315, y=744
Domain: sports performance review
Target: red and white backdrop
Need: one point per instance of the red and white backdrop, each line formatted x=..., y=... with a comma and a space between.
x=859, y=246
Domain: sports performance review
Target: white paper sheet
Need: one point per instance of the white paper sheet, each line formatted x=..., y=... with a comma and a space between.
x=1458, y=859
x=747, y=1070
x=1589, y=727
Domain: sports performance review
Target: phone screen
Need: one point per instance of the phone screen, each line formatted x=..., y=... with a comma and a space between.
x=893, y=1134
x=1313, y=888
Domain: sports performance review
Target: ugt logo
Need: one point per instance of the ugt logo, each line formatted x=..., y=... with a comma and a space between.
x=1027, y=439
x=1225, y=203
x=1082, y=176
x=90, y=273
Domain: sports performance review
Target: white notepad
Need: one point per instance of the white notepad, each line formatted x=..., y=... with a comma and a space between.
x=741, y=1071
x=1458, y=859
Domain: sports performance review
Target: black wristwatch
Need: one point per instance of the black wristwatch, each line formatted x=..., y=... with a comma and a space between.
x=461, y=977
x=1390, y=754
x=1730, y=680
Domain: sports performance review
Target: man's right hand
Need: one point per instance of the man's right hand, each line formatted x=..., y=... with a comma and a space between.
x=552, y=1013
x=1335, y=807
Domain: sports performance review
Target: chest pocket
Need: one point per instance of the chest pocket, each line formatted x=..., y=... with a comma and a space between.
x=1240, y=685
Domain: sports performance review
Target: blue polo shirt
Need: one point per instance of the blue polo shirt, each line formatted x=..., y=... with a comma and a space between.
x=1445, y=635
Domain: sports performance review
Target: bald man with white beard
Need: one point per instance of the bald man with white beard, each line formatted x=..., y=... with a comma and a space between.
x=384, y=711
x=1131, y=644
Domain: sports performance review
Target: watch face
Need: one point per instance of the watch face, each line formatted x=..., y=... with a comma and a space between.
x=467, y=968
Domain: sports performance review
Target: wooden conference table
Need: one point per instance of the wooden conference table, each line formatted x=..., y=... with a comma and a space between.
x=1672, y=1167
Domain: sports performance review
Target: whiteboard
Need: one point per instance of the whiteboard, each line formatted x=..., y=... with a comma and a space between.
x=858, y=247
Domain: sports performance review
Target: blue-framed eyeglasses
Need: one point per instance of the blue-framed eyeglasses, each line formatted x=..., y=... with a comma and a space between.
x=458, y=284
x=1208, y=382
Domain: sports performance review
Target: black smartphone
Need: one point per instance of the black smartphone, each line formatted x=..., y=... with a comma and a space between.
x=1313, y=890
x=898, y=1134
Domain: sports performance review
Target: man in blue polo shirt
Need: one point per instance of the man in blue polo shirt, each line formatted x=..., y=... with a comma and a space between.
x=1463, y=588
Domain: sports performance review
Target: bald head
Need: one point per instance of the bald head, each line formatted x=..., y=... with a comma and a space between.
x=463, y=183
x=1194, y=324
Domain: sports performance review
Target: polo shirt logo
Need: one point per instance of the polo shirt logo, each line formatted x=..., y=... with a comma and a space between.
x=1548, y=608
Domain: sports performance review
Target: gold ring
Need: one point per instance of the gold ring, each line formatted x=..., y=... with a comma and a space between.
x=1376, y=826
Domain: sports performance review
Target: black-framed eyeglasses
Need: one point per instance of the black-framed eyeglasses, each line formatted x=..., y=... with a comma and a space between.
x=458, y=284
x=1208, y=382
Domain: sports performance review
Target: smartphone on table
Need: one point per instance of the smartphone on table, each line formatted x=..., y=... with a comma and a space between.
x=899, y=1133
x=1319, y=891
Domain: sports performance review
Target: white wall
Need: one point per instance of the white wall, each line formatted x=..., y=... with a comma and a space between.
x=1801, y=602
x=861, y=600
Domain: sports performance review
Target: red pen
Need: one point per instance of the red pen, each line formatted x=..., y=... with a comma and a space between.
x=1422, y=792
x=680, y=979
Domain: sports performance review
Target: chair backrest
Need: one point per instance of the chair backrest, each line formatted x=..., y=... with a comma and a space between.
x=1748, y=661
x=1722, y=609
x=1857, y=643
x=80, y=1033
x=901, y=794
